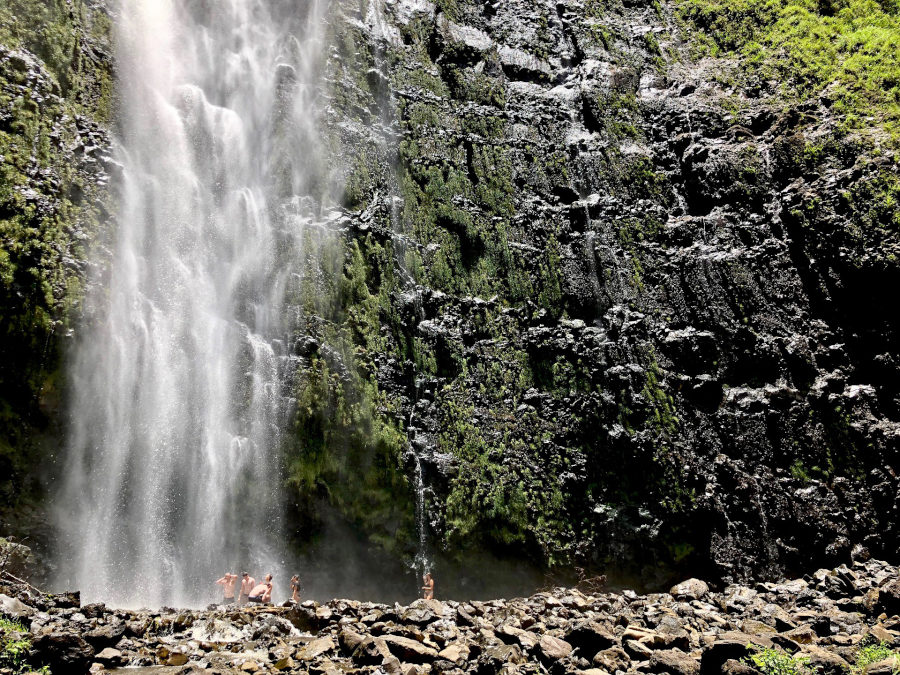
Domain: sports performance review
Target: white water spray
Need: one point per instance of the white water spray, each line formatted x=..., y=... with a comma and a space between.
x=181, y=376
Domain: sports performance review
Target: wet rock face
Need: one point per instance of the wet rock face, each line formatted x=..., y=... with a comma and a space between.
x=622, y=314
x=824, y=618
x=631, y=322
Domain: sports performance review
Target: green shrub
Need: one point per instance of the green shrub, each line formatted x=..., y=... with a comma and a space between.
x=14, y=649
x=771, y=661
x=845, y=51
x=873, y=653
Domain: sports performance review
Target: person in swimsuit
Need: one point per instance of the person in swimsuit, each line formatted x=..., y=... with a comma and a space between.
x=295, y=589
x=247, y=584
x=261, y=594
x=428, y=587
x=228, y=581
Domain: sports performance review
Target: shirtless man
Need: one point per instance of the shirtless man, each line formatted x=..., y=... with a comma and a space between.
x=261, y=594
x=295, y=589
x=228, y=581
x=247, y=584
x=428, y=587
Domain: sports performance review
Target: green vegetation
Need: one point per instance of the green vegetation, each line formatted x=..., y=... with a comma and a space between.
x=497, y=498
x=47, y=205
x=873, y=653
x=346, y=445
x=14, y=648
x=845, y=51
x=771, y=661
x=66, y=37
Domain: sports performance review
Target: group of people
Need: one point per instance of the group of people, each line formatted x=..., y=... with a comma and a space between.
x=261, y=593
x=252, y=592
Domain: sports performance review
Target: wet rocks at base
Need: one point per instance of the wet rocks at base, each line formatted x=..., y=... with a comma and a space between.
x=691, y=630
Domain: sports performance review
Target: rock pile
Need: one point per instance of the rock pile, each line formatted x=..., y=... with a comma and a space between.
x=689, y=631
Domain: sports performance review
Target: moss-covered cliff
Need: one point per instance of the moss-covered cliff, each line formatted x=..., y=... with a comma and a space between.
x=55, y=99
x=619, y=274
x=639, y=308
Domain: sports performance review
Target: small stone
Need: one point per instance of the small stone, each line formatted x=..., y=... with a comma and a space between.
x=284, y=663
x=250, y=666
x=177, y=659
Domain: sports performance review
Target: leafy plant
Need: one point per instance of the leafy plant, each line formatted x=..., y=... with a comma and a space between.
x=772, y=661
x=14, y=648
x=872, y=653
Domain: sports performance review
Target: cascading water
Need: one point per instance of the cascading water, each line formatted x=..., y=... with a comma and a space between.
x=179, y=380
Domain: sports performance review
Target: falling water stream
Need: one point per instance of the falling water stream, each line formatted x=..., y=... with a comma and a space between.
x=181, y=376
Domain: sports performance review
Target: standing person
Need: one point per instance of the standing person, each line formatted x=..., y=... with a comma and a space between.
x=295, y=589
x=428, y=587
x=228, y=582
x=247, y=584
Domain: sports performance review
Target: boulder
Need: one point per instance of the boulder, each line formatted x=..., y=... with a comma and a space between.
x=553, y=649
x=110, y=657
x=106, y=635
x=512, y=635
x=888, y=666
x=349, y=640
x=612, y=659
x=889, y=597
x=456, y=652
x=14, y=608
x=17, y=559
x=315, y=649
x=177, y=659
x=493, y=659
x=673, y=661
x=736, y=667
x=691, y=589
x=590, y=637
x=731, y=645
x=409, y=650
x=371, y=652
x=64, y=652
x=825, y=662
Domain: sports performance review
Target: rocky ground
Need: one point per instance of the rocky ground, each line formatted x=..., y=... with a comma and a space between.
x=824, y=618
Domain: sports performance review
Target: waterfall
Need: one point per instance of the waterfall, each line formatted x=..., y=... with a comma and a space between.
x=180, y=377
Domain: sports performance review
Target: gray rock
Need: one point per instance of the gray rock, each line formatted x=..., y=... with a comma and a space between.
x=691, y=589
x=673, y=661
x=14, y=608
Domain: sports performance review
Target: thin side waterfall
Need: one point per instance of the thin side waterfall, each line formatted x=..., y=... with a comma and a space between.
x=181, y=378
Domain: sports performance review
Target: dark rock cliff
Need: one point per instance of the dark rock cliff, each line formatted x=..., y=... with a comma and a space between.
x=641, y=309
x=625, y=307
x=55, y=100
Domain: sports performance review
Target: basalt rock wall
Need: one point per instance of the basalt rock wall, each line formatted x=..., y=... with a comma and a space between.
x=630, y=306
x=624, y=307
